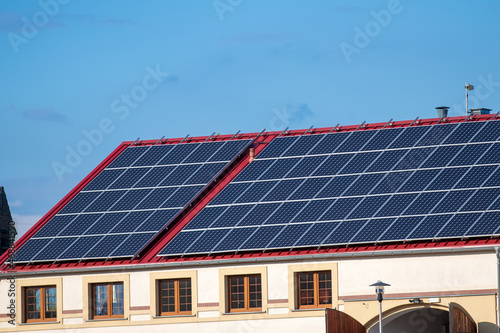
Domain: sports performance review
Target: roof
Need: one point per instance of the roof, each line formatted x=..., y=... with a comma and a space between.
x=371, y=187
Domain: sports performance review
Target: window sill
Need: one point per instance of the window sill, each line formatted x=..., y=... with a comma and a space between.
x=316, y=309
x=174, y=316
x=238, y=313
x=110, y=319
x=40, y=323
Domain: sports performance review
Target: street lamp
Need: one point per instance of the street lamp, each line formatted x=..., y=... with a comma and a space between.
x=379, y=290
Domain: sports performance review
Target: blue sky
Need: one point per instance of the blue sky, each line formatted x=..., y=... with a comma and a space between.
x=79, y=77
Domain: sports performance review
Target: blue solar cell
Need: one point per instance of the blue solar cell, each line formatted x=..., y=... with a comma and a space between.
x=391, y=182
x=179, y=153
x=130, y=222
x=336, y=186
x=277, y=147
x=231, y=216
x=414, y=158
x=256, y=191
x=263, y=236
x=313, y=210
x=289, y=235
x=205, y=218
x=153, y=155
x=364, y=184
x=387, y=160
x=54, y=226
x=476, y=176
x=345, y=232
x=470, y=154
x=286, y=212
x=104, y=247
x=356, y=141
x=234, y=239
x=259, y=214
x=340, y=209
x=208, y=241
x=104, y=179
x=409, y=137
x=52, y=250
x=181, y=242
x=230, y=150
x=128, y=156
x=80, y=224
x=254, y=170
x=396, y=204
x=430, y=226
x=487, y=224
x=105, y=201
x=424, y=203
x=481, y=200
x=132, y=245
x=464, y=132
x=204, y=152
x=492, y=155
x=280, y=168
x=78, y=249
x=383, y=139
x=182, y=196
x=79, y=202
x=333, y=165
x=419, y=180
x=129, y=178
x=495, y=205
x=156, y=198
x=154, y=177
x=105, y=223
x=283, y=190
x=441, y=156
x=158, y=220
x=447, y=179
x=180, y=174
x=359, y=163
x=309, y=188
x=316, y=234
x=29, y=249
x=206, y=173
x=458, y=225
x=329, y=143
x=401, y=228
x=490, y=132
x=494, y=179
x=230, y=193
x=368, y=207
x=303, y=145
x=372, y=230
x=436, y=135
x=453, y=201
x=130, y=199
x=306, y=166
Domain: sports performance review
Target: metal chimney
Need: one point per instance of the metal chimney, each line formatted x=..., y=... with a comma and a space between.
x=442, y=111
x=480, y=111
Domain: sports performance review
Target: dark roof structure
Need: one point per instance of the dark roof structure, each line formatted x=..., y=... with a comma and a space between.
x=396, y=185
x=6, y=222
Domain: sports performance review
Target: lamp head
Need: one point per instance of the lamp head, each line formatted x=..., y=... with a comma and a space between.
x=379, y=289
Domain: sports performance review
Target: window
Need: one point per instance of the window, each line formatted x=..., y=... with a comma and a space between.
x=314, y=289
x=174, y=297
x=245, y=293
x=41, y=304
x=107, y=300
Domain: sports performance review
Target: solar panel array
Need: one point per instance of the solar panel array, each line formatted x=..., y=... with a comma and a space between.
x=130, y=201
x=367, y=186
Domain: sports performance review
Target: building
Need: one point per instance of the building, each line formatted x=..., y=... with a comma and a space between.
x=262, y=232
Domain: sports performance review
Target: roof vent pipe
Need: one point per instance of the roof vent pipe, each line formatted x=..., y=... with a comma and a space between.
x=442, y=111
x=252, y=155
x=480, y=111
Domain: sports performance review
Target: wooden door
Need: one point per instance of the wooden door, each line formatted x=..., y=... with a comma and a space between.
x=460, y=320
x=340, y=322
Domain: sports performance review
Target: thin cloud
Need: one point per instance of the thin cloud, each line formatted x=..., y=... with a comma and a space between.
x=13, y=22
x=298, y=112
x=96, y=20
x=45, y=114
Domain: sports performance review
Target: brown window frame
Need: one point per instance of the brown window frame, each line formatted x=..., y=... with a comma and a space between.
x=246, y=293
x=109, y=300
x=316, y=290
x=177, y=298
x=43, y=314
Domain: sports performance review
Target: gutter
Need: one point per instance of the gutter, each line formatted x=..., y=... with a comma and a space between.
x=258, y=260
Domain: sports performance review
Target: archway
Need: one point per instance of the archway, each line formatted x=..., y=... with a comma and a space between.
x=415, y=320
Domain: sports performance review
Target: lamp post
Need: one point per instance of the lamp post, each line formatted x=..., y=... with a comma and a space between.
x=379, y=290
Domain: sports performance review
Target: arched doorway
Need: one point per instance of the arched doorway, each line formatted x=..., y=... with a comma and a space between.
x=415, y=320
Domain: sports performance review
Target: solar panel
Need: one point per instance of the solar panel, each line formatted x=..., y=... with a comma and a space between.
x=129, y=202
